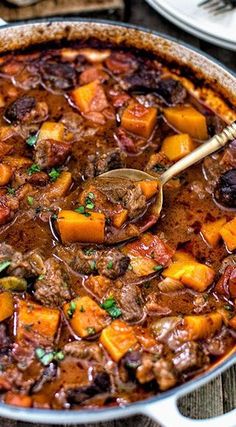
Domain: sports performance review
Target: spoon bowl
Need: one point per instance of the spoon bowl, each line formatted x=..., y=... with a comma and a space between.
x=203, y=150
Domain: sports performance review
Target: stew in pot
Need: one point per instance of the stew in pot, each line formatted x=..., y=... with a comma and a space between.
x=100, y=303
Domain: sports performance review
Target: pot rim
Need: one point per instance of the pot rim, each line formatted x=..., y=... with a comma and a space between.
x=71, y=416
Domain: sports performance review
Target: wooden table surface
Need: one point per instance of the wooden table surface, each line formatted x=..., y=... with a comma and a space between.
x=218, y=396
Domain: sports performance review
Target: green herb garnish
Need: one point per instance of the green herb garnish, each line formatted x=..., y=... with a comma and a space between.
x=80, y=209
x=71, y=309
x=159, y=168
x=158, y=267
x=30, y=200
x=47, y=358
x=91, y=330
x=88, y=251
x=109, y=265
x=41, y=276
x=111, y=307
x=54, y=216
x=54, y=174
x=89, y=201
x=59, y=355
x=228, y=307
x=11, y=191
x=92, y=265
x=4, y=265
x=33, y=169
x=31, y=140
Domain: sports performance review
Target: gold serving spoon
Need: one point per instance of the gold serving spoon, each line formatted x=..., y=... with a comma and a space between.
x=209, y=147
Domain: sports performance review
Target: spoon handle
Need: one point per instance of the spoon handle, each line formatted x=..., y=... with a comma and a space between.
x=209, y=147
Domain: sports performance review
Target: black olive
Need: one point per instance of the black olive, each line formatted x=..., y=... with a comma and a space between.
x=225, y=192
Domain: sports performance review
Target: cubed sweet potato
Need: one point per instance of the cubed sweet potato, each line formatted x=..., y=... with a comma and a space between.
x=6, y=305
x=51, y=130
x=139, y=119
x=192, y=274
x=148, y=188
x=6, y=173
x=202, y=326
x=188, y=120
x=211, y=231
x=17, y=162
x=98, y=285
x=34, y=318
x=119, y=218
x=90, y=97
x=85, y=316
x=228, y=233
x=177, y=146
x=118, y=338
x=76, y=227
x=60, y=187
x=18, y=399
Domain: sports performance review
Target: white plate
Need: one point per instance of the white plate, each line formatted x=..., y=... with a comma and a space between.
x=219, y=30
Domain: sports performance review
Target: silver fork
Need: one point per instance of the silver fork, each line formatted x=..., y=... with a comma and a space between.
x=218, y=7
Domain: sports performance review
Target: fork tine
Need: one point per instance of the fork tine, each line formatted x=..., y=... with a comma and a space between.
x=202, y=3
x=222, y=9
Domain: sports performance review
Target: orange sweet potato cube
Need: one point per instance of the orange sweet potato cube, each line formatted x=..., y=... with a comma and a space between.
x=6, y=305
x=36, y=318
x=187, y=119
x=90, y=97
x=228, y=233
x=86, y=316
x=119, y=218
x=202, y=326
x=76, y=227
x=118, y=338
x=177, y=146
x=148, y=188
x=51, y=130
x=211, y=231
x=139, y=119
x=191, y=273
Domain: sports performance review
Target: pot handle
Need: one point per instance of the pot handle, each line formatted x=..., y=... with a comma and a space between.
x=2, y=22
x=166, y=412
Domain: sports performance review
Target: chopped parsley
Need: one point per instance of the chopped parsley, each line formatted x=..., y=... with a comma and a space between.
x=158, y=267
x=30, y=200
x=80, y=209
x=89, y=201
x=91, y=330
x=11, y=191
x=92, y=265
x=109, y=265
x=54, y=216
x=111, y=307
x=71, y=309
x=88, y=251
x=46, y=358
x=228, y=307
x=54, y=174
x=159, y=168
x=41, y=276
x=4, y=265
x=33, y=169
x=31, y=140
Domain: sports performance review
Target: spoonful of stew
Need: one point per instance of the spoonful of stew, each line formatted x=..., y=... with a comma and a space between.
x=123, y=203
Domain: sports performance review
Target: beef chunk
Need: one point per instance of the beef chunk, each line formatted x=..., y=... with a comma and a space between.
x=5, y=213
x=229, y=260
x=214, y=124
x=28, y=265
x=225, y=192
x=17, y=111
x=227, y=284
x=165, y=374
x=132, y=360
x=129, y=299
x=124, y=192
x=112, y=264
x=4, y=338
x=143, y=80
x=58, y=75
x=100, y=384
x=49, y=153
x=84, y=350
x=53, y=290
x=219, y=344
x=84, y=262
x=172, y=91
x=21, y=177
x=98, y=164
x=189, y=357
